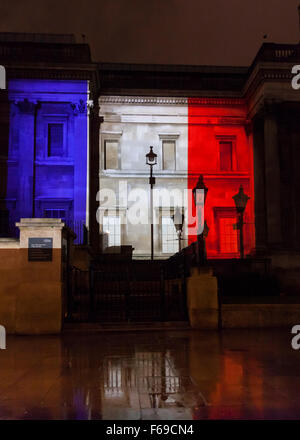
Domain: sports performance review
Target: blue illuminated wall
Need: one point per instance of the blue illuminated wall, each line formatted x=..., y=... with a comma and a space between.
x=47, y=154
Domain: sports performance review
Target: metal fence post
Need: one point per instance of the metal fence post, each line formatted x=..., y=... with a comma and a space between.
x=91, y=294
x=162, y=294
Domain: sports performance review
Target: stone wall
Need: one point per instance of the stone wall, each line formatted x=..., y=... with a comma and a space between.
x=31, y=292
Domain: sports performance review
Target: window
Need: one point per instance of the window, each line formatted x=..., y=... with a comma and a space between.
x=112, y=227
x=168, y=155
x=225, y=156
x=111, y=155
x=169, y=236
x=55, y=140
x=228, y=235
x=55, y=213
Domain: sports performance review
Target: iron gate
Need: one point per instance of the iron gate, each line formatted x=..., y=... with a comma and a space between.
x=125, y=292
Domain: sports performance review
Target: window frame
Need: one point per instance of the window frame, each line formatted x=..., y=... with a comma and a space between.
x=110, y=136
x=106, y=141
x=110, y=215
x=168, y=137
x=160, y=213
x=162, y=155
x=55, y=119
x=176, y=244
x=225, y=212
x=48, y=140
x=232, y=139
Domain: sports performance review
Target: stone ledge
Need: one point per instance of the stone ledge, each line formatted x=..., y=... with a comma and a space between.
x=260, y=315
x=38, y=222
x=9, y=243
x=262, y=306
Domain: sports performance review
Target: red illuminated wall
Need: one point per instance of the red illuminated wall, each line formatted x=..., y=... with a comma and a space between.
x=209, y=124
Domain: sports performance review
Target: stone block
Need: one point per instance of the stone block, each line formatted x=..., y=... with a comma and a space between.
x=202, y=299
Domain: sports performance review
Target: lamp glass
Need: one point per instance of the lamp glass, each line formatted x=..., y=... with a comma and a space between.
x=151, y=157
x=240, y=199
x=178, y=219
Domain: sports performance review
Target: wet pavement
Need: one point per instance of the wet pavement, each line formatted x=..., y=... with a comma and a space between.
x=170, y=375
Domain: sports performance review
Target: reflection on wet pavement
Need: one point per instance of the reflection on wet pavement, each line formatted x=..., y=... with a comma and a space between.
x=179, y=375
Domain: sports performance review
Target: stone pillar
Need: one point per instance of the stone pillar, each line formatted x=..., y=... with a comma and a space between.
x=38, y=306
x=80, y=160
x=202, y=299
x=272, y=178
x=94, y=168
x=259, y=186
x=27, y=112
x=9, y=282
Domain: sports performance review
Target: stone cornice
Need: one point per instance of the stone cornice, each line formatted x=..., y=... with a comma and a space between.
x=152, y=100
x=42, y=70
x=216, y=101
x=266, y=74
x=62, y=72
x=178, y=174
x=142, y=100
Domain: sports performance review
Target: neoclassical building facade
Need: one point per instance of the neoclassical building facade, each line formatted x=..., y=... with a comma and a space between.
x=46, y=130
x=234, y=125
x=190, y=137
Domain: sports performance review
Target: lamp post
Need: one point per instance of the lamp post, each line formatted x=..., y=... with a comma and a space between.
x=199, y=200
x=151, y=160
x=178, y=220
x=240, y=200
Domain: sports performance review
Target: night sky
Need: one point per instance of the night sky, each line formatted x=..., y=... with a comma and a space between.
x=209, y=32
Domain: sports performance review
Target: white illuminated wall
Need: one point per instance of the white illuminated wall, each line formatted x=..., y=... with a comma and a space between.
x=137, y=123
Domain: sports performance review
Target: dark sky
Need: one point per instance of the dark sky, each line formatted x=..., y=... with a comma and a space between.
x=224, y=32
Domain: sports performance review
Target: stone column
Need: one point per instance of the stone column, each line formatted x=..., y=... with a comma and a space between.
x=272, y=177
x=94, y=168
x=259, y=186
x=27, y=111
x=80, y=160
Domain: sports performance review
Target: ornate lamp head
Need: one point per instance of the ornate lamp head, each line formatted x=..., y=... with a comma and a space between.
x=178, y=219
x=240, y=200
x=198, y=195
x=151, y=157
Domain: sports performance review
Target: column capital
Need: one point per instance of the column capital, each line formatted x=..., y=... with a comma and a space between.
x=270, y=107
x=27, y=107
x=248, y=127
x=80, y=107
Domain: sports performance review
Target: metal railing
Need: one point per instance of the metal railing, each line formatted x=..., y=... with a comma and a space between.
x=8, y=230
x=126, y=291
x=80, y=229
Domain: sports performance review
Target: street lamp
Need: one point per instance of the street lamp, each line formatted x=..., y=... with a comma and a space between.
x=240, y=200
x=178, y=220
x=199, y=200
x=151, y=160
